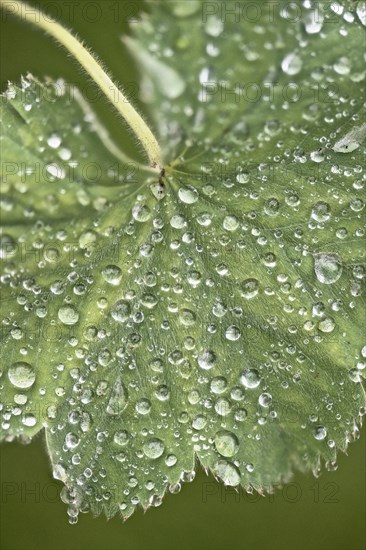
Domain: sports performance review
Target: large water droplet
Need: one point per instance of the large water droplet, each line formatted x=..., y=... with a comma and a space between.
x=141, y=213
x=154, y=448
x=207, y=359
x=21, y=375
x=321, y=211
x=250, y=378
x=328, y=268
x=249, y=288
x=320, y=433
x=226, y=443
x=188, y=195
x=68, y=315
x=291, y=64
x=112, y=274
x=121, y=311
x=121, y=438
x=232, y=333
x=118, y=399
x=7, y=246
x=229, y=473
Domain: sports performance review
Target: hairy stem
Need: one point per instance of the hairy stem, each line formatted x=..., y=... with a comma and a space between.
x=32, y=15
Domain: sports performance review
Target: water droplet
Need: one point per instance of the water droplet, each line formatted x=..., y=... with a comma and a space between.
x=321, y=211
x=318, y=155
x=118, y=399
x=214, y=26
x=227, y=444
x=232, y=333
x=54, y=141
x=121, y=311
x=171, y=460
x=320, y=433
x=121, y=438
x=154, y=448
x=188, y=195
x=21, y=375
x=29, y=420
x=56, y=171
x=68, y=315
x=313, y=21
x=326, y=325
x=265, y=399
x=230, y=223
x=8, y=246
x=250, y=378
x=71, y=440
x=328, y=268
x=187, y=317
x=141, y=213
x=249, y=288
x=112, y=274
x=143, y=406
x=361, y=11
x=291, y=64
x=229, y=473
x=218, y=384
x=207, y=359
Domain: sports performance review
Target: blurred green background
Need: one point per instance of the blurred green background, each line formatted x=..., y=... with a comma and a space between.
x=326, y=513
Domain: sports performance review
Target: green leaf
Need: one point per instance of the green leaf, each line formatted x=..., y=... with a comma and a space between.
x=215, y=314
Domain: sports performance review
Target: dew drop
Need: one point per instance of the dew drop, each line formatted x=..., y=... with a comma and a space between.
x=141, y=213
x=230, y=223
x=265, y=399
x=229, y=473
x=7, y=246
x=232, y=333
x=21, y=375
x=29, y=420
x=328, y=268
x=188, y=195
x=320, y=433
x=112, y=274
x=291, y=64
x=118, y=399
x=121, y=311
x=54, y=141
x=206, y=360
x=226, y=443
x=143, y=406
x=68, y=315
x=320, y=211
x=249, y=288
x=154, y=448
x=121, y=438
x=250, y=378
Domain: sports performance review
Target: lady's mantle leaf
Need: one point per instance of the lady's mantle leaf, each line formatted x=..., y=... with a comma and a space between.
x=217, y=314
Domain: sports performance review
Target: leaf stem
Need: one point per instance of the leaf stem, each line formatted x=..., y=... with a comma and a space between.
x=93, y=67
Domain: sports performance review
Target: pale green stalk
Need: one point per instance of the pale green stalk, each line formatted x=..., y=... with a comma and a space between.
x=32, y=15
